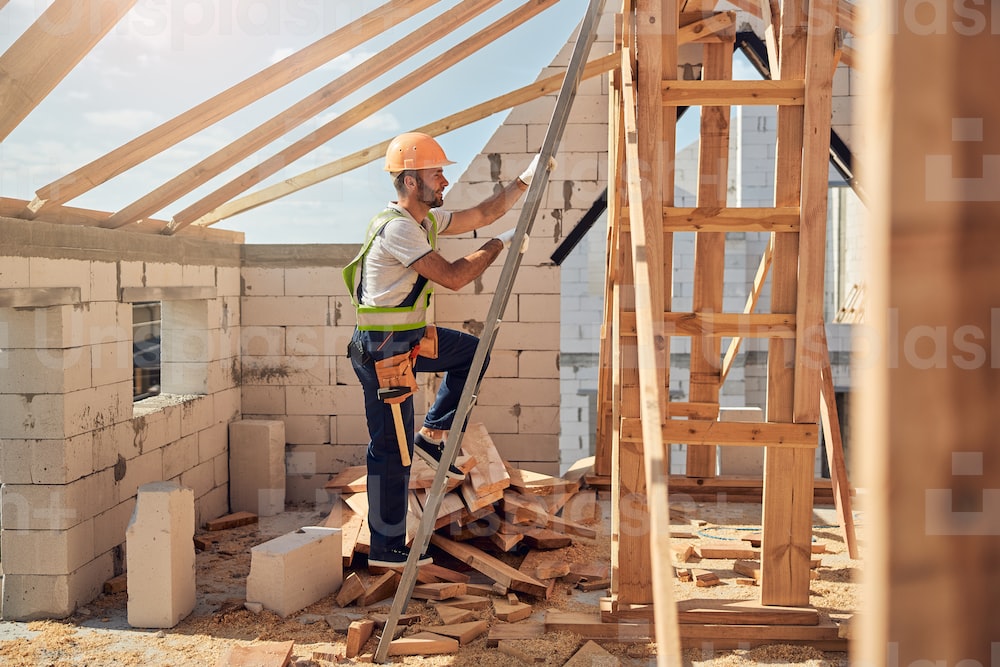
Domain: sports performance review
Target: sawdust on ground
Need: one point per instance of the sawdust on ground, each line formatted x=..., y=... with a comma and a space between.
x=98, y=635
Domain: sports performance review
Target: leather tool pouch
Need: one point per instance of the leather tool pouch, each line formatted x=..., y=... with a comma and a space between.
x=429, y=343
x=396, y=372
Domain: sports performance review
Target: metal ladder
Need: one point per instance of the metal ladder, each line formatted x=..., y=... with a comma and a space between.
x=574, y=73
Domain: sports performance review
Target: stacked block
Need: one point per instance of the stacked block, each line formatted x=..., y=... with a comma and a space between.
x=257, y=466
x=160, y=544
x=295, y=570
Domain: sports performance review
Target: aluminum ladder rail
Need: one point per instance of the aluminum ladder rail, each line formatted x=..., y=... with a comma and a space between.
x=567, y=93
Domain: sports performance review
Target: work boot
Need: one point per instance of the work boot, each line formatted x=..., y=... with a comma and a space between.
x=431, y=451
x=397, y=558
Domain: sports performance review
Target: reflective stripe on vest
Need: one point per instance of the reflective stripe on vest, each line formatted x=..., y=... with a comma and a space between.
x=387, y=318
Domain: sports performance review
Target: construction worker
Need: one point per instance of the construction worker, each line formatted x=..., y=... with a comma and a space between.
x=391, y=281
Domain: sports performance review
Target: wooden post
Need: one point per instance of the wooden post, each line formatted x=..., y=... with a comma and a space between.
x=926, y=409
x=710, y=250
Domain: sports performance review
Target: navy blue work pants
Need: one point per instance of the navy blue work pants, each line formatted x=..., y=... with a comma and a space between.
x=388, y=480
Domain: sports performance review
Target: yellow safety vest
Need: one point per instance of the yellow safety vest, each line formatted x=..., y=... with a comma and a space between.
x=405, y=316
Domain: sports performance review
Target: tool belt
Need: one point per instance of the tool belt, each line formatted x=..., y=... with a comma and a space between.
x=397, y=372
x=428, y=345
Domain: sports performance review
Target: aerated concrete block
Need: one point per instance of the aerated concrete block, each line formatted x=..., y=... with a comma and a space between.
x=747, y=461
x=257, y=466
x=159, y=543
x=295, y=570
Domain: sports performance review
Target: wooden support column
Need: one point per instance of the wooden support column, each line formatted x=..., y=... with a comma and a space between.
x=631, y=567
x=926, y=408
x=785, y=576
x=710, y=249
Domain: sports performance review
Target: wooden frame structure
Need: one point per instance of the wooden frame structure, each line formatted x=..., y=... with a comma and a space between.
x=639, y=421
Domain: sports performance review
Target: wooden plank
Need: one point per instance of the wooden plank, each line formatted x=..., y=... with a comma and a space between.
x=463, y=632
x=725, y=550
x=812, y=234
x=489, y=474
x=710, y=247
x=495, y=569
x=757, y=288
x=743, y=612
x=706, y=218
x=48, y=50
x=513, y=631
x=423, y=643
x=590, y=626
x=223, y=104
x=269, y=654
x=719, y=637
x=651, y=151
x=835, y=454
x=450, y=614
x=700, y=93
x=380, y=588
x=757, y=325
x=718, y=27
x=471, y=602
x=540, y=484
x=439, y=591
x=776, y=500
x=231, y=521
x=350, y=524
x=358, y=632
x=756, y=434
x=544, y=538
x=352, y=161
x=749, y=568
x=591, y=654
x=356, y=114
x=352, y=589
x=511, y=612
x=519, y=508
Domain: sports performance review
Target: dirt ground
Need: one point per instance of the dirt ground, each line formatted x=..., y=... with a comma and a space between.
x=98, y=634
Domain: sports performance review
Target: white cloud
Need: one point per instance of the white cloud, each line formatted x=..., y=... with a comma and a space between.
x=126, y=119
x=381, y=122
x=280, y=54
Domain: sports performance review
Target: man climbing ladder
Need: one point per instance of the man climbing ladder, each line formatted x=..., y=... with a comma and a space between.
x=518, y=236
x=391, y=282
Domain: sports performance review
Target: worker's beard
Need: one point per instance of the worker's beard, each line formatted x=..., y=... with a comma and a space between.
x=428, y=195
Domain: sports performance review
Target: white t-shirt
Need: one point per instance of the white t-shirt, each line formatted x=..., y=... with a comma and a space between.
x=387, y=278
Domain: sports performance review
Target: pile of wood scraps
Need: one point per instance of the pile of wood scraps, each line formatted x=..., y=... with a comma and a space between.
x=495, y=508
x=495, y=512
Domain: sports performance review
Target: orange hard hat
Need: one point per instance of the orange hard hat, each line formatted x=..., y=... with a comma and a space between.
x=414, y=150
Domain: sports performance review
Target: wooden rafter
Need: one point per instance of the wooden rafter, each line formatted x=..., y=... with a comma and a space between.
x=366, y=155
x=356, y=114
x=48, y=50
x=309, y=107
x=224, y=104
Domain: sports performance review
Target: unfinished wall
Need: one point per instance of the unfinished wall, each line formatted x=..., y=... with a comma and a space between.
x=73, y=447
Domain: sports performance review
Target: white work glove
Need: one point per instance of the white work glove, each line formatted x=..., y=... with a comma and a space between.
x=508, y=236
x=529, y=173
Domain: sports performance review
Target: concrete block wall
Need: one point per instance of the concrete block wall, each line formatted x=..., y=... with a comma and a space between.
x=74, y=449
x=297, y=321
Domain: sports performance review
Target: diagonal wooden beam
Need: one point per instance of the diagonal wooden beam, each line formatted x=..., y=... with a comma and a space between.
x=360, y=158
x=647, y=265
x=48, y=50
x=284, y=122
x=356, y=114
x=225, y=103
x=751, y=304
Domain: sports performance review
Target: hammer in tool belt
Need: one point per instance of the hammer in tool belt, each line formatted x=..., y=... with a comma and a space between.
x=386, y=395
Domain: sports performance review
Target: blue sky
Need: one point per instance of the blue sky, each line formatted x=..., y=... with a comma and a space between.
x=166, y=56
